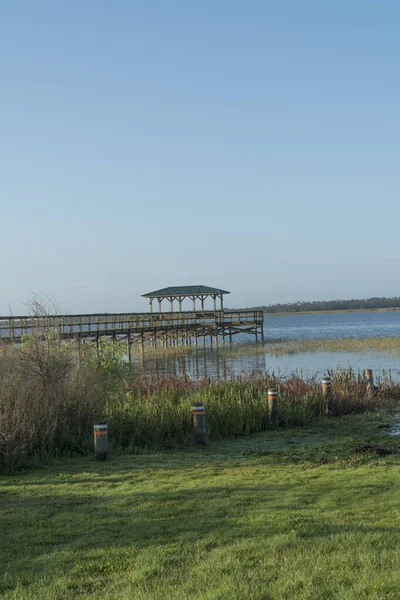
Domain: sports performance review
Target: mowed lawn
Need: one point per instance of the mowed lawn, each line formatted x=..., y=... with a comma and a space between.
x=307, y=513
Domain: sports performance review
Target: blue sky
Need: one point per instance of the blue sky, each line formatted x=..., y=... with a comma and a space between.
x=252, y=146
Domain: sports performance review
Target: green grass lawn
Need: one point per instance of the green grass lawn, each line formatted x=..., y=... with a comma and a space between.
x=309, y=513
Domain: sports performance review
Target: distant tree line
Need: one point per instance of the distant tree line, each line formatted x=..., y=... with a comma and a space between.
x=323, y=305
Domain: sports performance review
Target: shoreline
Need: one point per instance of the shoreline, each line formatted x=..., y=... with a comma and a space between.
x=322, y=312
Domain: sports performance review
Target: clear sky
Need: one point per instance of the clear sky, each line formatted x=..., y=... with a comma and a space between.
x=252, y=146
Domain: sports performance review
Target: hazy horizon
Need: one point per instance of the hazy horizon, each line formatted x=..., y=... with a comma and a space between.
x=52, y=305
x=247, y=147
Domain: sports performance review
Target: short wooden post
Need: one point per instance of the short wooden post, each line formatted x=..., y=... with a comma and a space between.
x=327, y=392
x=369, y=378
x=199, y=423
x=101, y=441
x=273, y=406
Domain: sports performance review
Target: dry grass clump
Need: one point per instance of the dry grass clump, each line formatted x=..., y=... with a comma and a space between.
x=48, y=399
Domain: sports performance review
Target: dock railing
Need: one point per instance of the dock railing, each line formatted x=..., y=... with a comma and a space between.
x=85, y=325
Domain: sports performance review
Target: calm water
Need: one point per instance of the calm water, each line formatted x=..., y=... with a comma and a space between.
x=210, y=363
x=333, y=326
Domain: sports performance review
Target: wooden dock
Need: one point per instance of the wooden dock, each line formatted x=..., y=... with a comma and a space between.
x=162, y=328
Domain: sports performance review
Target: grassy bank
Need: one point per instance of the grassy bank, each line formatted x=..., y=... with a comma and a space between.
x=51, y=394
x=295, y=514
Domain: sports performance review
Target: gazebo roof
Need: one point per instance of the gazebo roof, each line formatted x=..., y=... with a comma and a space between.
x=185, y=290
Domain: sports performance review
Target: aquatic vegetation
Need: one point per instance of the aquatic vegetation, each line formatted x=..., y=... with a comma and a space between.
x=50, y=396
x=282, y=347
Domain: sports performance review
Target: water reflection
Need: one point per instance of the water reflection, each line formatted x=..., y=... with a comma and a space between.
x=198, y=364
x=217, y=364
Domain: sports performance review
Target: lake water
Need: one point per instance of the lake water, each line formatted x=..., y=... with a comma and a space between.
x=212, y=363
x=333, y=326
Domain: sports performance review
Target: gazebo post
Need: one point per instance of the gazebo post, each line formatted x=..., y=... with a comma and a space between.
x=184, y=326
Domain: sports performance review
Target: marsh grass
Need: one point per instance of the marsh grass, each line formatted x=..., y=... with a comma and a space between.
x=51, y=394
x=156, y=410
x=280, y=347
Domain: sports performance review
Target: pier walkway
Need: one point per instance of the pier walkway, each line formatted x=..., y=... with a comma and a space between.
x=159, y=328
x=167, y=328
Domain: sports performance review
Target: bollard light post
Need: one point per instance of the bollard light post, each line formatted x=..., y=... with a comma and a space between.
x=369, y=378
x=273, y=406
x=199, y=423
x=327, y=392
x=101, y=441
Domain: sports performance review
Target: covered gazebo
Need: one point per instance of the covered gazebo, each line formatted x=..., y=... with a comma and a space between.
x=193, y=292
